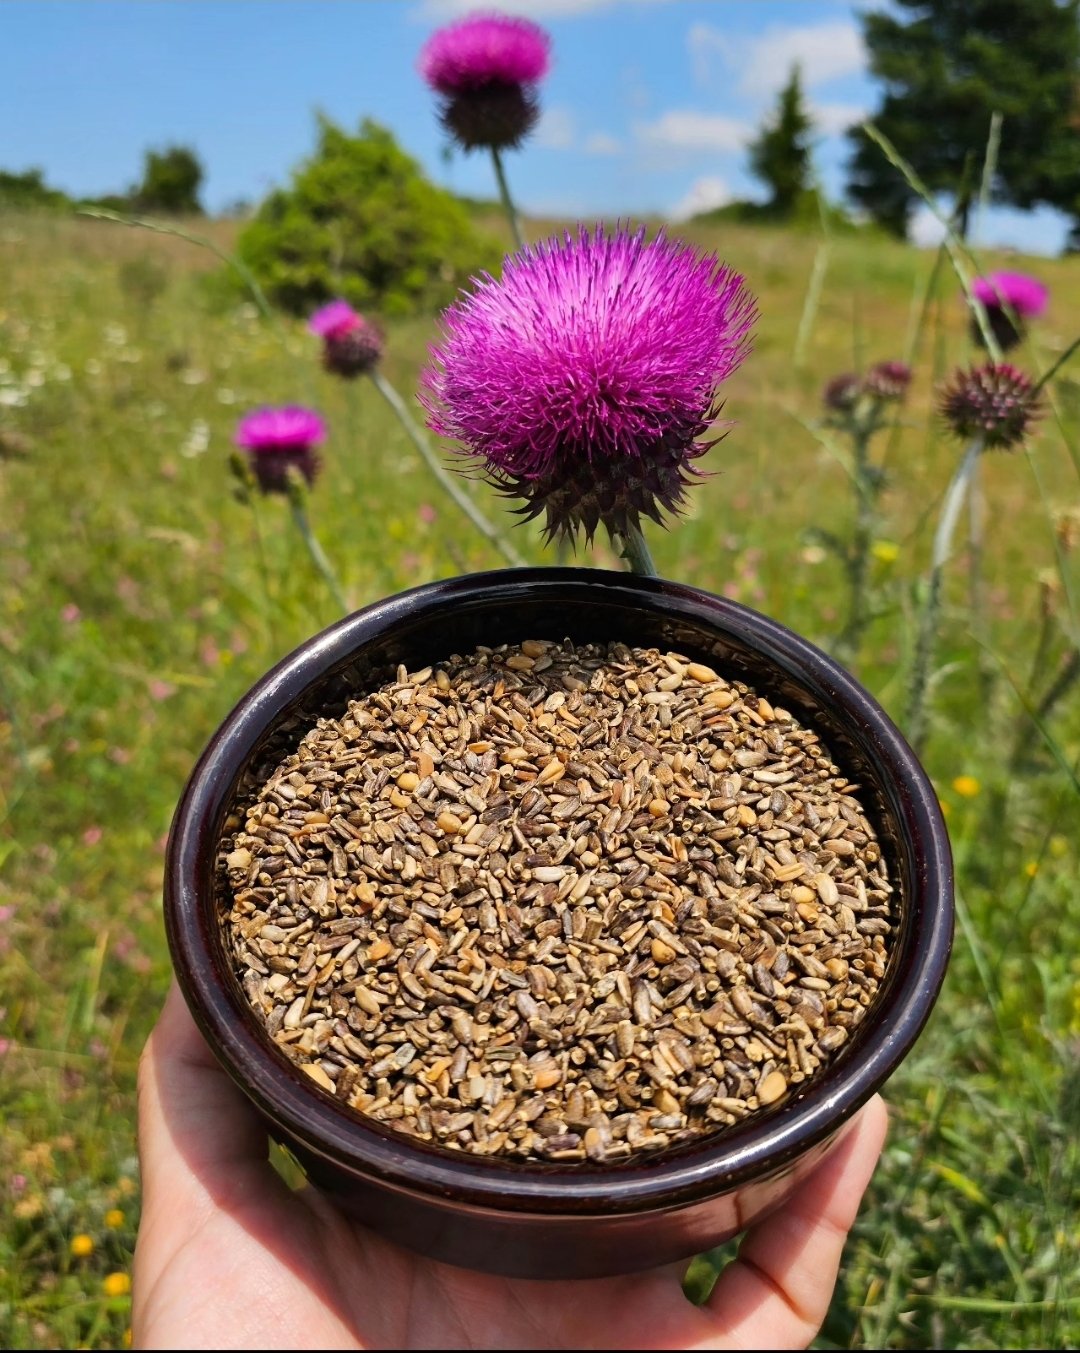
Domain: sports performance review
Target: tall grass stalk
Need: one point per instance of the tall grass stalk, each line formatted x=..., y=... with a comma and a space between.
x=508, y=202
x=486, y=529
x=951, y=507
x=298, y=505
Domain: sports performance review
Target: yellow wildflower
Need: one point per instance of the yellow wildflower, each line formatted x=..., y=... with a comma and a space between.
x=82, y=1245
x=114, y=1219
x=116, y=1285
x=886, y=551
x=1031, y=868
x=966, y=786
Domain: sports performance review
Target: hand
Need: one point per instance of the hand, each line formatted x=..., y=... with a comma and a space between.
x=228, y=1257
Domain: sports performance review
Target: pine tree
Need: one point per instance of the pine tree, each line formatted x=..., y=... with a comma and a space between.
x=947, y=67
x=780, y=156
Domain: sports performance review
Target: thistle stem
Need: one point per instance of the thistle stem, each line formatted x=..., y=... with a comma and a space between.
x=486, y=529
x=927, y=632
x=315, y=550
x=507, y=201
x=859, y=559
x=636, y=553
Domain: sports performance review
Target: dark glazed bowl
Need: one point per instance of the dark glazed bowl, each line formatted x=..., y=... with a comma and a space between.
x=545, y=1220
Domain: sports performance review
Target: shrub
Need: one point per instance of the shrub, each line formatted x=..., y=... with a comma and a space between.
x=361, y=221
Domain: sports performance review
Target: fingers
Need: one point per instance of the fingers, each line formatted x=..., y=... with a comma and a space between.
x=776, y=1293
x=197, y=1133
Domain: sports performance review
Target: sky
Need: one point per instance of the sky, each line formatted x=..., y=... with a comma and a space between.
x=647, y=109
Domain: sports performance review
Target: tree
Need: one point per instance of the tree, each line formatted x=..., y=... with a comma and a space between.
x=170, y=183
x=947, y=67
x=359, y=220
x=780, y=156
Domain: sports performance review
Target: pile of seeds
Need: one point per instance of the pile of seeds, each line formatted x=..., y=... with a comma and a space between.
x=560, y=903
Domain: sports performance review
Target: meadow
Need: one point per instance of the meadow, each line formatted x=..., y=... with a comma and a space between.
x=139, y=598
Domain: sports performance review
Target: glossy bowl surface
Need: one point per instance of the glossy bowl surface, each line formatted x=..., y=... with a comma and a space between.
x=547, y=1220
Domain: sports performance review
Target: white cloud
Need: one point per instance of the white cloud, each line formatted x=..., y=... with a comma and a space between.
x=556, y=129
x=601, y=143
x=685, y=129
x=924, y=229
x=824, y=52
x=832, y=118
x=703, y=195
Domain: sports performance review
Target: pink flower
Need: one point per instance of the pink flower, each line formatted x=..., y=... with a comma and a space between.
x=280, y=440
x=1010, y=299
x=995, y=402
x=585, y=378
x=70, y=613
x=427, y=514
x=161, y=690
x=1017, y=290
x=92, y=836
x=351, y=344
x=485, y=70
x=485, y=49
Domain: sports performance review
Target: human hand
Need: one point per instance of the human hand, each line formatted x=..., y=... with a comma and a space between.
x=228, y=1257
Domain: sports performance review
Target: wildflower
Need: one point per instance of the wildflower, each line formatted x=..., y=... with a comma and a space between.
x=966, y=786
x=351, y=344
x=887, y=381
x=995, y=402
x=885, y=551
x=82, y=1245
x=584, y=380
x=280, y=440
x=485, y=68
x=1010, y=299
x=116, y=1285
x=114, y=1219
x=1031, y=868
x=842, y=393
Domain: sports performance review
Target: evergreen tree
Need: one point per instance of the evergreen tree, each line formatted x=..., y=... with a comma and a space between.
x=170, y=183
x=780, y=156
x=947, y=66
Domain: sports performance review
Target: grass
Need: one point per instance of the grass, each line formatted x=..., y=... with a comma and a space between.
x=139, y=599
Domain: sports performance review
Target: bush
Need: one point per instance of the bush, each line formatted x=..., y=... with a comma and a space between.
x=29, y=192
x=170, y=183
x=361, y=221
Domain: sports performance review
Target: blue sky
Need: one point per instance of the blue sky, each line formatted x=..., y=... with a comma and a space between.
x=648, y=106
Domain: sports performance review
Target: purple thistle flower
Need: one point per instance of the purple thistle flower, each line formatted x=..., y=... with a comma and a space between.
x=995, y=402
x=584, y=379
x=888, y=380
x=842, y=392
x=1010, y=299
x=484, y=68
x=280, y=440
x=352, y=345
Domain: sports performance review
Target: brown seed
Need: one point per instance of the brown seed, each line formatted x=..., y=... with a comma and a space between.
x=772, y=1088
x=449, y=822
x=697, y=671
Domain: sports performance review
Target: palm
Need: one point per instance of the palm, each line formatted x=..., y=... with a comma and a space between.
x=229, y=1257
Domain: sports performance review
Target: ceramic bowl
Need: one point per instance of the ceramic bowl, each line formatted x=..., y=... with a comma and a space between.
x=544, y=1220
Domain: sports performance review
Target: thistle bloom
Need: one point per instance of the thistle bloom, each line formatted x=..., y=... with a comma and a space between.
x=484, y=68
x=584, y=379
x=888, y=381
x=842, y=392
x=280, y=440
x=351, y=344
x=1010, y=299
x=995, y=402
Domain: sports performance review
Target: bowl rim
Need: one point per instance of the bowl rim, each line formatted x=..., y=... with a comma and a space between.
x=335, y=1134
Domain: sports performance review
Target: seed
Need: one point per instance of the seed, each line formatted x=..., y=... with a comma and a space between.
x=560, y=902
x=697, y=671
x=772, y=1088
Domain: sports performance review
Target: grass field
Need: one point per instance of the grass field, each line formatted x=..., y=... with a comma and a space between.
x=139, y=599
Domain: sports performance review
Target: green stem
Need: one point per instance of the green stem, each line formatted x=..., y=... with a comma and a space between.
x=631, y=546
x=859, y=560
x=924, y=646
x=318, y=554
x=462, y=499
x=507, y=201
